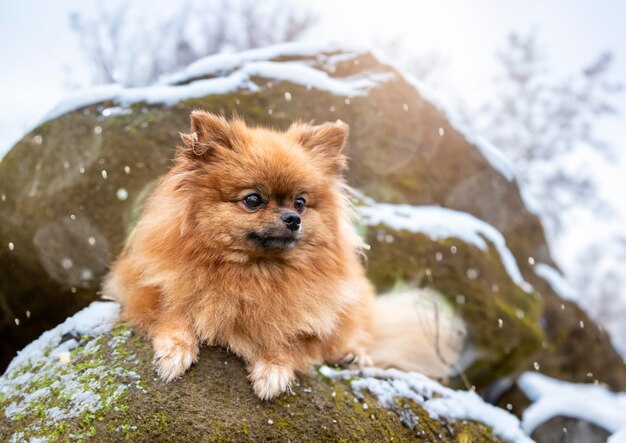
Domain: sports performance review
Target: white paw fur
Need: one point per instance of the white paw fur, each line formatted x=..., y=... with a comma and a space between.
x=173, y=356
x=270, y=380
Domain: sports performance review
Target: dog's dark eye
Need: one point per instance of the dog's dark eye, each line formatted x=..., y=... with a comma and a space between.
x=299, y=204
x=253, y=201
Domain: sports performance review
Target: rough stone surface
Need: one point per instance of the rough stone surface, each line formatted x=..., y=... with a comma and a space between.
x=112, y=374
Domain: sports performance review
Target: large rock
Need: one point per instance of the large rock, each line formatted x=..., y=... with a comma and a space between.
x=92, y=379
x=71, y=189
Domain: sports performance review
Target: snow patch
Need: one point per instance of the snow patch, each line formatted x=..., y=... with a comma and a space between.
x=238, y=71
x=557, y=282
x=589, y=402
x=44, y=382
x=220, y=63
x=440, y=402
x=441, y=223
x=96, y=319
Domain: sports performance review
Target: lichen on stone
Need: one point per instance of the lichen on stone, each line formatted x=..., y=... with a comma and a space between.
x=91, y=379
x=69, y=378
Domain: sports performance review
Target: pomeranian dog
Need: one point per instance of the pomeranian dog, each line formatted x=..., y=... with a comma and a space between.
x=247, y=243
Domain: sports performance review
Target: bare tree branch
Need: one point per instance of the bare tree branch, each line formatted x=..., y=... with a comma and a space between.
x=539, y=121
x=123, y=49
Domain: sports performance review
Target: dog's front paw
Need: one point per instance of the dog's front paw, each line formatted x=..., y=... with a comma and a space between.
x=269, y=380
x=173, y=355
x=358, y=358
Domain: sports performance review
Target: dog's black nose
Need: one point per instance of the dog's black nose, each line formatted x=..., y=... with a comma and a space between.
x=291, y=220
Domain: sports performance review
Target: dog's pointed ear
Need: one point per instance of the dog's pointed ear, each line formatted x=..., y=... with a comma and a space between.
x=208, y=133
x=325, y=141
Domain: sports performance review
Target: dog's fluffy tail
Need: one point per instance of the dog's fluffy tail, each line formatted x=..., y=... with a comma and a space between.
x=417, y=330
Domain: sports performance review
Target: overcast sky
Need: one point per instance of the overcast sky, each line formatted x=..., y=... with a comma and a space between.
x=39, y=56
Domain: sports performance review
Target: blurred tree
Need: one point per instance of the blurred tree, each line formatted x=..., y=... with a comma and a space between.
x=540, y=122
x=549, y=128
x=602, y=279
x=128, y=44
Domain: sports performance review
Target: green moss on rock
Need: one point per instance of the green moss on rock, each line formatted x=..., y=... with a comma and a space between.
x=66, y=396
x=212, y=402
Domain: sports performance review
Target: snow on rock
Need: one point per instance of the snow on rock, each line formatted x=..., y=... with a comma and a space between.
x=589, y=402
x=96, y=319
x=83, y=98
x=220, y=63
x=440, y=223
x=496, y=158
x=558, y=283
x=238, y=69
x=440, y=402
x=72, y=386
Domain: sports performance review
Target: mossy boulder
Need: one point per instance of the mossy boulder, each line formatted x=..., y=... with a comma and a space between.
x=71, y=189
x=91, y=379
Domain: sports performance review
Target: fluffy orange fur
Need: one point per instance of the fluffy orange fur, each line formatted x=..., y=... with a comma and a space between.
x=203, y=266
